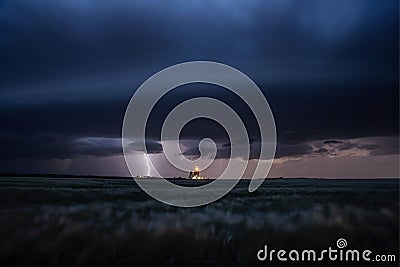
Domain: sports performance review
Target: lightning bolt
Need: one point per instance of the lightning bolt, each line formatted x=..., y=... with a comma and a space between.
x=146, y=157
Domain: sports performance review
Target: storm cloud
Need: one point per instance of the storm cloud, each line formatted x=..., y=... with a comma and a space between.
x=329, y=70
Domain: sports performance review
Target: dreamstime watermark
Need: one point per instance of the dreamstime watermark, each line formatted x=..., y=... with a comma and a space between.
x=338, y=253
x=154, y=88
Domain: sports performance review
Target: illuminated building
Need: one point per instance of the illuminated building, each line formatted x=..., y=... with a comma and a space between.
x=195, y=174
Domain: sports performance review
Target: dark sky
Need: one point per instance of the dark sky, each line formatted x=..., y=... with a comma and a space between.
x=329, y=70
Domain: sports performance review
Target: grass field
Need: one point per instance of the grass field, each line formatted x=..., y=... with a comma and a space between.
x=112, y=222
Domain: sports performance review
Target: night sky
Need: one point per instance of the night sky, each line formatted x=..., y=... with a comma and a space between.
x=329, y=70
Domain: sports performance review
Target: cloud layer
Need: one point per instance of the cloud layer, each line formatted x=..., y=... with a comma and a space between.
x=329, y=70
